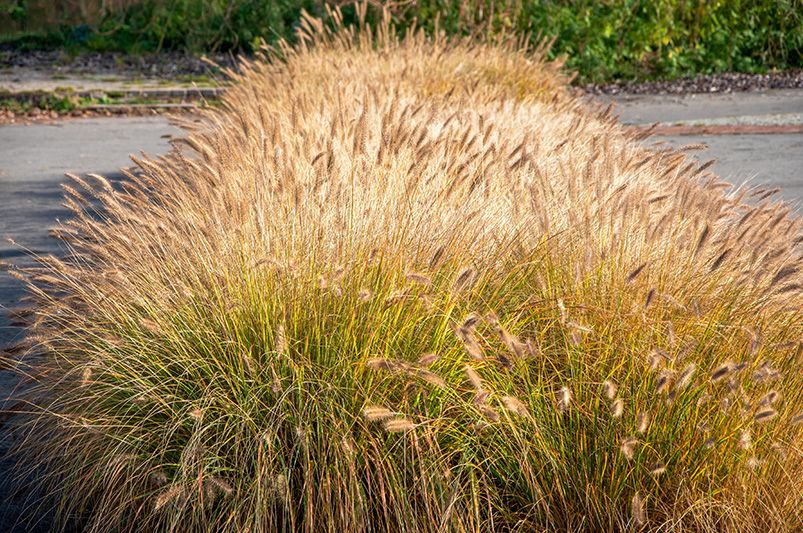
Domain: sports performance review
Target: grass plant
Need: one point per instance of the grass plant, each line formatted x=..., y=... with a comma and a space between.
x=414, y=284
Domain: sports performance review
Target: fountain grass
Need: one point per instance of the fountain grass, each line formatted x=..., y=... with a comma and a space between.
x=414, y=284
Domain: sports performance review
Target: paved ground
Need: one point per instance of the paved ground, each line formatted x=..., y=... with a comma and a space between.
x=770, y=107
x=23, y=79
x=770, y=159
x=34, y=158
x=39, y=93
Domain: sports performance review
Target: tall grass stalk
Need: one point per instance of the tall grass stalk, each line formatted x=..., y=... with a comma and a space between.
x=400, y=283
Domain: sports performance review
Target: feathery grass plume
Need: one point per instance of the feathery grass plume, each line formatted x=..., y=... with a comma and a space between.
x=685, y=377
x=196, y=414
x=720, y=259
x=564, y=315
x=671, y=339
x=617, y=408
x=492, y=319
x=347, y=445
x=638, y=514
x=470, y=344
x=418, y=278
x=276, y=385
x=579, y=327
x=280, y=339
x=122, y=459
x=397, y=297
x=657, y=468
x=657, y=358
x=431, y=378
x=426, y=302
x=511, y=342
x=701, y=240
x=765, y=373
x=248, y=363
x=649, y=298
x=609, y=389
x=470, y=321
x=642, y=422
x=516, y=406
x=628, y=447
x=158, y=478
x=702, y=400
x=669, y=298
x=722, y=371
x=150, y=325
x=782, y=274
x=689, y=345
x=726, y=403
x=427, y=359
x=780, y=449
x=488, y=412
x=576, y=337
x=365, y=295
x=766, y=414
x=753, y=463
x=219, y=485
x=663, y=381
x=745, y=439
x=398, y=425
x=280, y=487
x=358, y=154
x=636, y=272
x=379, y=363
x=373, y=413
x=86, y=376
x=755, y=340
x=770, y=398
x=465, y=279
x=473, y=377
x=480, y=397
x=504, y=361
x=692, y=147
x=562, y=399
x=435, y=260
x=168, y=496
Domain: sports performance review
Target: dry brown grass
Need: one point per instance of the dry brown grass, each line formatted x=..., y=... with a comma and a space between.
x=242, y=320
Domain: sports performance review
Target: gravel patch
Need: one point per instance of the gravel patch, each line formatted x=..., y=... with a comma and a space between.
x=162, y=65
x=728, y=82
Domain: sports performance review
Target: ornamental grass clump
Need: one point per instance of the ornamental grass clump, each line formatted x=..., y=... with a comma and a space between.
x=399, y=283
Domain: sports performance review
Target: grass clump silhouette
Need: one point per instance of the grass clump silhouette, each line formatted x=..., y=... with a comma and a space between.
x=400, y=283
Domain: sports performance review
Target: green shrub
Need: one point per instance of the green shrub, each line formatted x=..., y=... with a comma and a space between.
x=602, y=40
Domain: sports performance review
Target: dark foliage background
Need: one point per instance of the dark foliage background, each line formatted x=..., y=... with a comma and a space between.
x=602, y=39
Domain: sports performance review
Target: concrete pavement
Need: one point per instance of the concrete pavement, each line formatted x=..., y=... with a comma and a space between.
x=33, y=160
x=775, y=160
x=770, y=160
x=771, y=107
